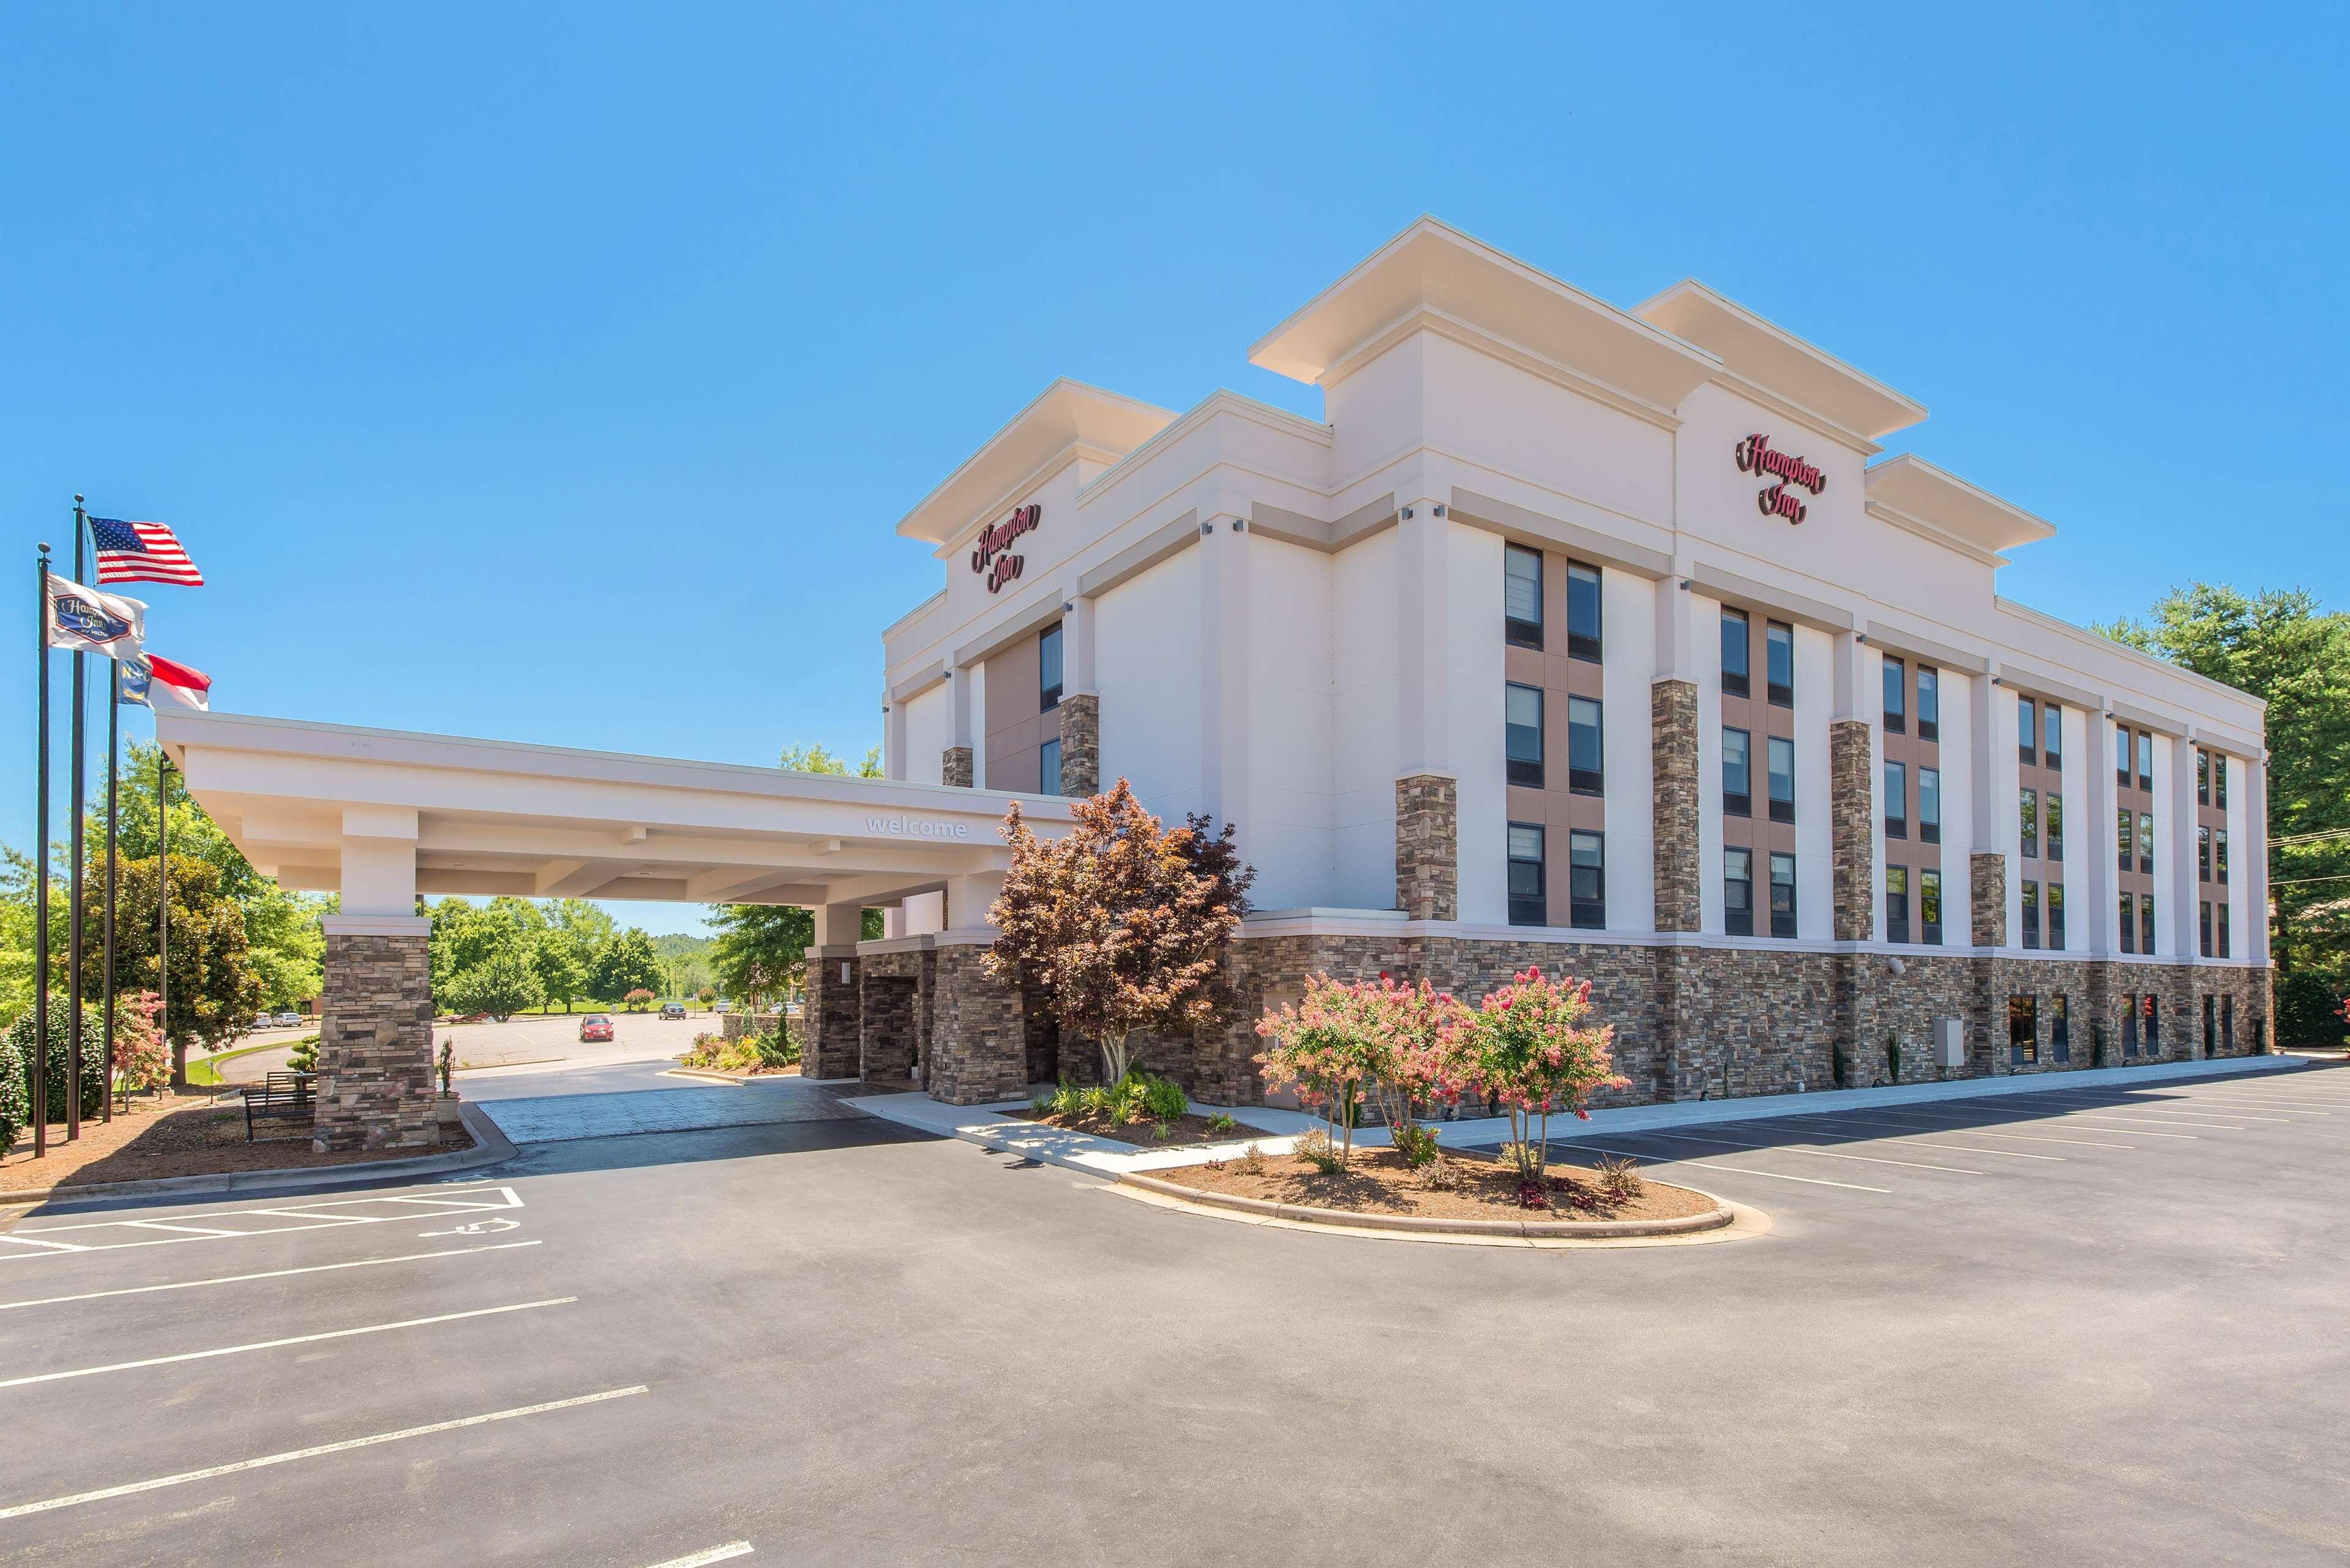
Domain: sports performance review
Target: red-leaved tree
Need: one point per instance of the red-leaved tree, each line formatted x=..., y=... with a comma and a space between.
x=1121, y=925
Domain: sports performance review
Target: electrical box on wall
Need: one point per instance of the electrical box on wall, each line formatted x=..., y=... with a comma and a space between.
x=1949, y=1042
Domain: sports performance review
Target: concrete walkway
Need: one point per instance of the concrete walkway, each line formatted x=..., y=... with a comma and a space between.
x=988, y=1127
x=562, y=1119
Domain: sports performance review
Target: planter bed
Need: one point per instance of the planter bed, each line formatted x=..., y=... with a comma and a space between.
x=1378, y=1188
x=699, y=1071
x=1185, y=1129
x=178, y=1134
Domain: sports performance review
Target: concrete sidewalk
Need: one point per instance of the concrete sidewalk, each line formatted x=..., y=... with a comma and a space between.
x=988, y=1127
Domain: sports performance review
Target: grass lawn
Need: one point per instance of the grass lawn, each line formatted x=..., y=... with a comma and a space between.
x=203, y=1071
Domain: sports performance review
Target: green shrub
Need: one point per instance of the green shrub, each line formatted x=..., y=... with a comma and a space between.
x=1619, y=1178
x=305, y=1058
x=1416, y=1143
x=1067, y=1100
x=1163, y=1098
x=1252, y=1159
x=17, y=1045
x=1316, y=1151
x=1096, y=1100
x=1222, y=1125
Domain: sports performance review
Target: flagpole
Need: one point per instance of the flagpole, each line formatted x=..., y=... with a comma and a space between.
x=163, y=911
x=77, y=794
x=113, y=748
x=41, y=888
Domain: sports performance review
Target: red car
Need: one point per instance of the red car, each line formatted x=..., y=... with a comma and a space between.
x=596, y=1026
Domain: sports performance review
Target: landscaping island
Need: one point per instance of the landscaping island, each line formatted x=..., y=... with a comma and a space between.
x=1378, y=1181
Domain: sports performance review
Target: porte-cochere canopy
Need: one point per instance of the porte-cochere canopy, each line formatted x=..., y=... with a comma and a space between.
x=384, y=816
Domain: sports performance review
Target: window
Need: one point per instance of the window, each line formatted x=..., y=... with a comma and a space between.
x=2223, y=931
x=1896, y=903
x=2144, y=760
x=1584, y=769
x=1782, y=779
x=2203, y=918
x=2146, y=842
x=2145, y=923
x=1897, y=696
x=1783, y=896
x=2031, y=914
x=1524, y=716
x=1734, y=634
x=2227, y=1023
x=1586, y=880
x=2056, y=916
x=1527, y=904
x=1582, y=611
x=2129, y=1025
x=2219, y=854
x=1048, y=767
x=2027, y=731
x=2022, y=1031
x=1779, y=662
x=2027, y=816
x=2121, y=757
x=1738, y=892
x=2202, y=776
x=1737, y=774
x=2060, y=1028
x=2153, y=1005
x=1522, y=595
x=2052, y=826
x=1930, y=806
x=1048, y=670
x=2129, y=927
x=1896, y=801
x=2122, y=832
x=2052, y=735
x=2203, y=854
x=2219, y=793
x=1929, y=703
x=1930, y=908
x=2210, y=1023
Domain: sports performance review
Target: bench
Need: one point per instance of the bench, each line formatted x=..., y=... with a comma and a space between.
x=281, y=1094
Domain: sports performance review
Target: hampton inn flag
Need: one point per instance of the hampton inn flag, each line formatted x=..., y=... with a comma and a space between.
x=87, y=621
x=141, y=552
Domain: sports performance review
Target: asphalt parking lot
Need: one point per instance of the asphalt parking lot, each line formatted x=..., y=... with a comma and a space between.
x=2083, y=1327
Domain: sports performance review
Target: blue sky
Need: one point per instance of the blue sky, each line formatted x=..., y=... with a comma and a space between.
x=557, y=372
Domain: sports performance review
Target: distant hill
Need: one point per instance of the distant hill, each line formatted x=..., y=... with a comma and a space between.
x=677, y=944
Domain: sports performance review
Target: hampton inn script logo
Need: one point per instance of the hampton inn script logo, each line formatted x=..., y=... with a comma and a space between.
x=1755, y=456
x=992, y=558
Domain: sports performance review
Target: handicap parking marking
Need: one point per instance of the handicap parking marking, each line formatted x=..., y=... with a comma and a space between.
x=304, y=1218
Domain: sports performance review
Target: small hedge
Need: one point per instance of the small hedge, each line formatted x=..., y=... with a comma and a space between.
x=16, y=1068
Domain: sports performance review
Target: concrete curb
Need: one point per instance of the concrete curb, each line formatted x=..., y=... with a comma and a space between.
x=491, y=1147
x=1499, y=1230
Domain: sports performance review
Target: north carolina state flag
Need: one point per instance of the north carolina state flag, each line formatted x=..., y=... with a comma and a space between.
x=147, y=673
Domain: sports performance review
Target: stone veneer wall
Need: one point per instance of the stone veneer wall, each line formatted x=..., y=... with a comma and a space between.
x=1987, y=890
x=1081, y=744
x=834, y=1008
x=1428, y=847
x=898, y=1012
x=375, y=1046
x=1851, y=825
x=954, y=767
x=1672, y=738
x=978, y=1048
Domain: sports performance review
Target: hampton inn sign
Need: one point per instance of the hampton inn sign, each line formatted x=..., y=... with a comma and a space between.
x=1755, y=456
x=991, y=555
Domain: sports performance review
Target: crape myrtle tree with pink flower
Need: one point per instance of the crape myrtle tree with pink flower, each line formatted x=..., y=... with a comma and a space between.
x=1376, y=1041
x=1530, y=1047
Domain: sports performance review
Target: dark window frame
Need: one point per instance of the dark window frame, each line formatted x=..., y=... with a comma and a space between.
x=1896, y=904
x=1581, y=644
x=1048, y=693
x=2052, y=826
x=1783, y=922
x=2052, y=735
x=2223, y=929
x=2029, y=909
x=2027, y=731
x=1896, y=697
x=1781, y=693
x=1738, y=683
x=2220, y=857
x=1782, y=809
x=1735, y=803
x=1526, y=770
x=1929, y=703
x=1895, y=784
x=1527, y=908
x=1930, y=906
x=1929, y=828
x=2023, y=1029
x=1737, y=921
x=1515, y=629
x=2054, y=899
x=1582, y=780
x=2126, y=927
x=1048, y=777
x=2027, y=821
x=1586, y=912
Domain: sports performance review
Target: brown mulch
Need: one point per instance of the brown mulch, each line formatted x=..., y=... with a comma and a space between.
x=1378, y=1182
x=791, y=1072
x=1142, y=1134
x=182, y=1134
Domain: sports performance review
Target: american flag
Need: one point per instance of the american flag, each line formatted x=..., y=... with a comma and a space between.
x=141, y=553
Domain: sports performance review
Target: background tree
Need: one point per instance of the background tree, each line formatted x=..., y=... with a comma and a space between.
x=817, y=760
x=1121, y=926
x=628, y=963
x=214, y=989
x=2281, y=647
x=761, y=950
x=561, y=967
x=501, y=984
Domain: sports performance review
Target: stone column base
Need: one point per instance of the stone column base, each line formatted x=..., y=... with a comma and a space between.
x=954, y=767
x=1428, y=847
x=1080, y=745
x=834, y=1012
x=979, y=1037
x=375, y=1045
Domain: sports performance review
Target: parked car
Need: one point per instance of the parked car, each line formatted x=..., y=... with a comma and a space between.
x=672, y=1010
x=721, y=1007
x=289, y=1021
x=596, y=1026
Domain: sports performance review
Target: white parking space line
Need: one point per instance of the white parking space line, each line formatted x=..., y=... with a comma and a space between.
x=2281, y=1107
x=1800, y=1148
x=1741, y=1169
x=266, y=1274
x=2141, y=1108
x=2135, y=1129
x=708, y=1555
x=280, y=1344
x=2016, y=1137
x=324, y=1214
x=1910, y=1139
x=104, y=1493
